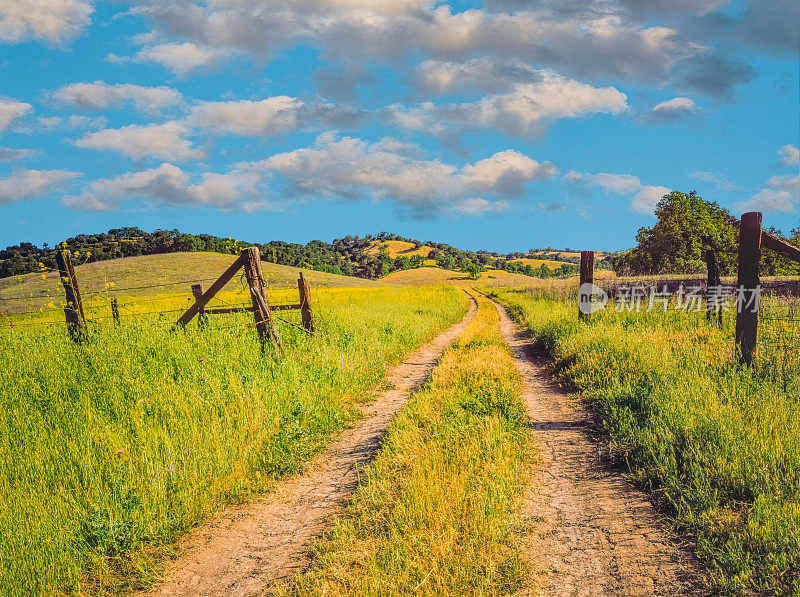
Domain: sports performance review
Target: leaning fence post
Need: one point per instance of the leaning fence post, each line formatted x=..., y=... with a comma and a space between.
x=587, y=277
x=73, y=311
x=305, y=304
x=197, y=293
x=748, y=286
x=251, y=260
x=115, y=311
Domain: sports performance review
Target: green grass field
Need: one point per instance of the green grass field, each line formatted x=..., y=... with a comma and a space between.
x=719, y=446
x=435, y=513
x=111, y=450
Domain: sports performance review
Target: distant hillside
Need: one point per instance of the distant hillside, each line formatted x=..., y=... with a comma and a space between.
x=370, y=257
x=150, y=275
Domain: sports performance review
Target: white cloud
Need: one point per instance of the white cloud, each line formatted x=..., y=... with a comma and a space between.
x=170, y=185
x=645, y=197
x=781, y=194
x=51, y=123
x=715, y=179
x=621, y=184
x=55, y=21
x=353, y=168
x=27, y=184
x=9, y=155
x=476, y=206
x=674, y=109
x=11, y=110
x=593, y=40
x=100, y=95
x=248, y=118
x=163, y=141
x=789, y=155
x=526, y=109
x=506, y=173
x=181, y=58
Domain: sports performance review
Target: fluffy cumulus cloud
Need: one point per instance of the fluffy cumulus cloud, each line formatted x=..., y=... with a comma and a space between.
x=674, y=109
x=11, y=110
x=100, y=95
x=353, y=168
x=645, y=197
x=29, y=184
x=55, y=21
x=789, y=154
x=248, y=118
x=781, y=194
x=587, y=39
x=168, y=184
x=163, y=141
x=181, y=58
x=526, y=109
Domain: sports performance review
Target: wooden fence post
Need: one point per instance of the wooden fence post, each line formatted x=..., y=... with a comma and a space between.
x=587, y=277
x=748, y=286
x=197, y=293
x=115, y=311
x=251, y=261
x=73, y=312
x=305, y=304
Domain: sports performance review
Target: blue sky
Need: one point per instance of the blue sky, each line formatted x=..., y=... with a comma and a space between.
x=502, y=124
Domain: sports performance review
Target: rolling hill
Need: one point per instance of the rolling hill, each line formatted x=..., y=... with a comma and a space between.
x=398, y=248
x=150, y=275
x=434, y=276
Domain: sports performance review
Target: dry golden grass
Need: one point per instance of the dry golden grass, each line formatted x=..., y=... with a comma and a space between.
x=435, y=276
x=160, y=272
x=398, y=248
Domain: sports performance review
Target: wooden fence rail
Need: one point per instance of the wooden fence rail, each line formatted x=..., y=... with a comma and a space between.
x=249, y=260
x=752, y=238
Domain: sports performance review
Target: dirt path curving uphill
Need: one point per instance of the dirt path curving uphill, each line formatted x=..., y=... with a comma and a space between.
x=594, y=534
x=246, y=549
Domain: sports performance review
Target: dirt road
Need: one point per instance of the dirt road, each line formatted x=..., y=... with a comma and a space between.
x=246, y=549
x=593, y=533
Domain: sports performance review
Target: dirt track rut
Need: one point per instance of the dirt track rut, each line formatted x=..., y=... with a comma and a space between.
x=246, y=549
x=593, y=533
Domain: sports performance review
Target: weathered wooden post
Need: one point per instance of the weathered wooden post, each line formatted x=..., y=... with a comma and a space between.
x=73, y=312
x=251, y=261
x=305, y=304
x=748, y=286
x=115, y=311
x=587, y=277
x=197, y=293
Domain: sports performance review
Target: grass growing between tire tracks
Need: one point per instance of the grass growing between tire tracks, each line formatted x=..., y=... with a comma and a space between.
x=111, y=450
x=435, y=512
x=719, y=446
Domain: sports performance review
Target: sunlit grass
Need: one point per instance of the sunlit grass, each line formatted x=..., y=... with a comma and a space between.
x=111, y=450
x=718, y=445
x=435, y=513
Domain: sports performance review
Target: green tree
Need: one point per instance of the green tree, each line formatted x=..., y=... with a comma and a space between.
x=676, y=243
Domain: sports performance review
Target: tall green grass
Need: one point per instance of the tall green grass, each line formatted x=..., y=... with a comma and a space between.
x=718, y=445
x=435, y=512
x=110, y=451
